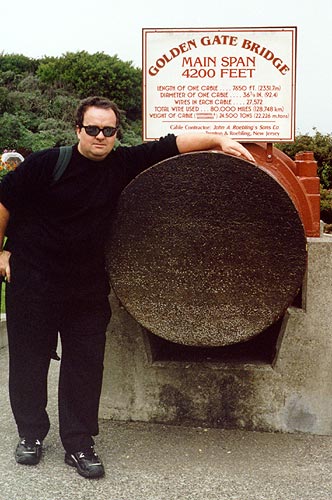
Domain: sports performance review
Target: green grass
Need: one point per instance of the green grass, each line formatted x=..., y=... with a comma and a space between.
x=3, y=307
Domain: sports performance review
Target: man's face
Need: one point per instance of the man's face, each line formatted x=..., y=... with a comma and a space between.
x=96, y=148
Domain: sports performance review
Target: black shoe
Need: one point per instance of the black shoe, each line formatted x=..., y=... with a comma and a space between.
x=28, y=451
x=86, y=462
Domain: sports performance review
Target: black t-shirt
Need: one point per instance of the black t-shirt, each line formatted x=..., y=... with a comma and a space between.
x=57, y=230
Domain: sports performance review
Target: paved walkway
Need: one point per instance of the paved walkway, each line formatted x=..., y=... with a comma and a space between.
x=157, y=462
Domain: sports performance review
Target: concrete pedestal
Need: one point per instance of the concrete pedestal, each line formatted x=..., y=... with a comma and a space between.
x=292, y=392
x=3, y=332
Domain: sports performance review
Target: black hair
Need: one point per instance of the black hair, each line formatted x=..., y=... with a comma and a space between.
x=97, y=102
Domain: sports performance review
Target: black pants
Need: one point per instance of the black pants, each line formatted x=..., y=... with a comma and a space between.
x=33, y=326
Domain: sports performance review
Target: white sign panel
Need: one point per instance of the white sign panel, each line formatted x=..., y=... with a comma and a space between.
x=239, y=82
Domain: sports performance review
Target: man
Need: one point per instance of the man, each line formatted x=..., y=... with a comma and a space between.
x=56, y=280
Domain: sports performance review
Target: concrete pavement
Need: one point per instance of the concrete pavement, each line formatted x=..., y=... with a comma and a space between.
x=158, y=462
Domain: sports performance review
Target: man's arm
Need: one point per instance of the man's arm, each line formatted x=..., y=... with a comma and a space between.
x=187, y=143
x=4, y=254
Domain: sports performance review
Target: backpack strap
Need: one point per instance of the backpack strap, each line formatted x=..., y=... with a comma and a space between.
x=64, y=157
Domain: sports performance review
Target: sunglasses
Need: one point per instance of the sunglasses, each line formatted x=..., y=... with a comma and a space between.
x=93, y=130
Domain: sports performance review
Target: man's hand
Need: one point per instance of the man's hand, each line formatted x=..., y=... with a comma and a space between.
x=4, y=264
x=229, y=146
x=188, y=143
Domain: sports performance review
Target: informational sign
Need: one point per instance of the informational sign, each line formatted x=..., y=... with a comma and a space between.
x=239, y=82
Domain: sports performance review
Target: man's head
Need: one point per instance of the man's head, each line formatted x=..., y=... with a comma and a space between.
x=97, y=121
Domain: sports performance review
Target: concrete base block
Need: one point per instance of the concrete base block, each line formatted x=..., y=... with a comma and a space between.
x=3, y=333
x=292, y=393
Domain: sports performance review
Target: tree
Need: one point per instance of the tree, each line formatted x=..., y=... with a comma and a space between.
x=12, y=132
x=13, y=67
x=3, y=99
x=84, y=74
x=17, y=63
